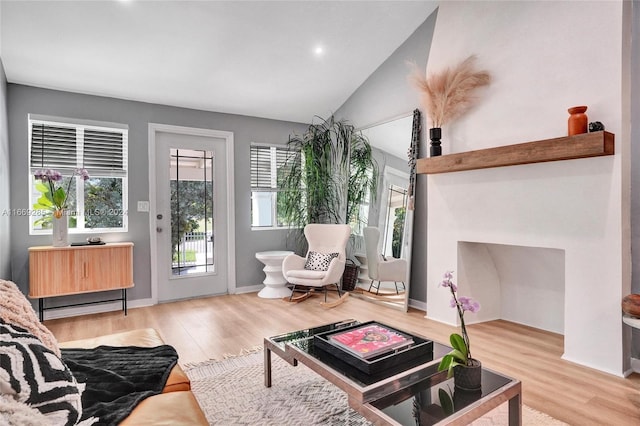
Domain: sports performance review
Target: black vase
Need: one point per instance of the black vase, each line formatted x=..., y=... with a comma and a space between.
x=435, y=133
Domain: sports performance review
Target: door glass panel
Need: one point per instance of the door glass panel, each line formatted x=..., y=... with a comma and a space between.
x=192, y=221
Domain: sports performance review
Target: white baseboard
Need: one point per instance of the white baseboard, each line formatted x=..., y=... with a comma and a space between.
x=249, y=289
x=635, y=366
x=418, y=304
x=98, y=308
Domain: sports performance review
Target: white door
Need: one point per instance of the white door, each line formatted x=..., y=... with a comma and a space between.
x=191, y=214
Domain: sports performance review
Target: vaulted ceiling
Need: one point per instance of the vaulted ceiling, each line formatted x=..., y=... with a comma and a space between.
x=287, y=60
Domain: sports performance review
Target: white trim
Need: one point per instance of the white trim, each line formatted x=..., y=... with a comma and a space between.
x=231, y=217
x=50, y=119
x=385, y=121
x=248, y=289
x=269, y=145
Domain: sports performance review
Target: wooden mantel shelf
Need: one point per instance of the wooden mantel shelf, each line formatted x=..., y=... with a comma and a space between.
x=585, y=145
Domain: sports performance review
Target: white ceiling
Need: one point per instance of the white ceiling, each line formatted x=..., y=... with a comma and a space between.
x=252, y=58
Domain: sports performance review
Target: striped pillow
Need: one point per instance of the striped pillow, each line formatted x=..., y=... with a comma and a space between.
x=32, y=374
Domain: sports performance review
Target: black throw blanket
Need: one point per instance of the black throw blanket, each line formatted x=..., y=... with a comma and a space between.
x=118, y=378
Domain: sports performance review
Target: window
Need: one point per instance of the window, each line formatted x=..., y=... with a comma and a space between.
x=98, y=204
x=266, y=162
x=359, y=219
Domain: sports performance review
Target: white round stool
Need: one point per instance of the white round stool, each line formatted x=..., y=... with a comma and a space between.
x=275, y=283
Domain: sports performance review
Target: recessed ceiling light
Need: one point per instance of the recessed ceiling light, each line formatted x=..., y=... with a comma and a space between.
x=318, y=50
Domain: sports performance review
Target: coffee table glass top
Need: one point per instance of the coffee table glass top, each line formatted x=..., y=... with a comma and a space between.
x=303, y=341
x=308, y=333
x=430, y=401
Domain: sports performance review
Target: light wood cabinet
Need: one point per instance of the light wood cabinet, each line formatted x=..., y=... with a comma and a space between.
x=63, y=271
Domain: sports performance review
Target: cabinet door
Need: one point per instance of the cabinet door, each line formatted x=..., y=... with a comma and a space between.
x=105, y=268
x=52, y=273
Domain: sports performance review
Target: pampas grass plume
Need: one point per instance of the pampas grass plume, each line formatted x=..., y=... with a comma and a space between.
x=449, y=94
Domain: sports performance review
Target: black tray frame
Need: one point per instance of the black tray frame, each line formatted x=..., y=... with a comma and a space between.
x=390, y=360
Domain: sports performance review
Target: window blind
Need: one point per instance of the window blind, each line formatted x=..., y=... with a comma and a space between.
x=67, y=147
x=53, y=146
x=265, y=163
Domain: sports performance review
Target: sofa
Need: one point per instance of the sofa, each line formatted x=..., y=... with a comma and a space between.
x=176, y=405
x=85, y=382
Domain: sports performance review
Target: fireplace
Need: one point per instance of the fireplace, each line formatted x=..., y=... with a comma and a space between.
x=546, y=234
x=520, y=284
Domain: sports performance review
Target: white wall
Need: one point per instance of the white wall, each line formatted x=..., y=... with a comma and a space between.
x=544, y=58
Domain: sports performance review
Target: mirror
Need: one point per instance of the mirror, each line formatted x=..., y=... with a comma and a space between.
x=391, y=212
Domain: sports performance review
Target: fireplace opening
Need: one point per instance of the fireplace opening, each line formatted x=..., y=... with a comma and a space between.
x=521, y=284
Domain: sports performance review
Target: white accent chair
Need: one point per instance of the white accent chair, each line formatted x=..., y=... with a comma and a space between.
x=325, y=239
x=379, y=268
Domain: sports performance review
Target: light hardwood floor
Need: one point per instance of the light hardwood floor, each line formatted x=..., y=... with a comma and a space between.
x=202, y=329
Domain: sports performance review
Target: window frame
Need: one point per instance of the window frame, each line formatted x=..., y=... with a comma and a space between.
x=273, y=190
x=80, y=127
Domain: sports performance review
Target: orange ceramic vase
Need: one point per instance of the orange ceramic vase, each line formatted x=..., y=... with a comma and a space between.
x=577, y=120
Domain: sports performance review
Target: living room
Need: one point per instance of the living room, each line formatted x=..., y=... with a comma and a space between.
x=544, y=57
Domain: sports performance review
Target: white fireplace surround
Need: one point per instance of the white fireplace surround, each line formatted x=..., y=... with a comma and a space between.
x=562, y=214
x=579, y=208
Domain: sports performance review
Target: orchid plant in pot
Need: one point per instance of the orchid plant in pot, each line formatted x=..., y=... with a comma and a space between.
x=459, y=363
x=54, y=195
x=54, y=199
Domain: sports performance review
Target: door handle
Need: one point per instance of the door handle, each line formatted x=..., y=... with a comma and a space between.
x=159, y=216
x=158, y=229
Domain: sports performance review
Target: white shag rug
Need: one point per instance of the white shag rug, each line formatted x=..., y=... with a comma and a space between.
x=232, y=392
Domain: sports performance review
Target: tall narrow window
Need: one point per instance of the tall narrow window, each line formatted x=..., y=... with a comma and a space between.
x=98, y=204
x=396, y=210
x=192, y=203
x=266, y=162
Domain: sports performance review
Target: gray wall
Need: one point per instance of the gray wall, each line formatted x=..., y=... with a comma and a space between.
x=387, y=94
x=23, y=100
x=5, y=226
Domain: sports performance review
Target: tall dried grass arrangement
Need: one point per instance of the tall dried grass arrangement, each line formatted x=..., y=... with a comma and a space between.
x=449, y=94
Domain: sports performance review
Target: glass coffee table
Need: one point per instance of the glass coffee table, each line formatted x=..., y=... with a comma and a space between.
x=407, y=393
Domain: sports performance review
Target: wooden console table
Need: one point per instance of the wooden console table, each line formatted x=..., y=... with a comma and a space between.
x=65, y=271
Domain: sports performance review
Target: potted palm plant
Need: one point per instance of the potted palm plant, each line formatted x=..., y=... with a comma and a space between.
x=328, y=175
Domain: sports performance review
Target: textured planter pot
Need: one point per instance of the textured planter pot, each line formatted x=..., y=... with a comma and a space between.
x=60, y=226
x=468, y=378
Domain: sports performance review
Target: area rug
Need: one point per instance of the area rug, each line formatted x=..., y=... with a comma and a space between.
x=232, y=392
